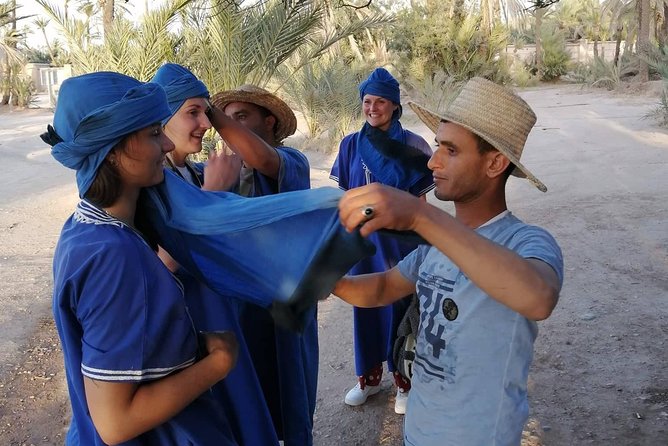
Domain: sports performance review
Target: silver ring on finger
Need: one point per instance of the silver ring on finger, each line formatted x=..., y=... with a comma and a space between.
x=367, y=212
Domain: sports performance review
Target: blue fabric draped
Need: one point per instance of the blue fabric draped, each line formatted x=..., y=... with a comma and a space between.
x=389, y=158
x=282, y=252
x=94, y=112
x=179, y=84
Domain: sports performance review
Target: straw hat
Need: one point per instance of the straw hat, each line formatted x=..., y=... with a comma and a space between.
x=494, y=113
x=286, y=123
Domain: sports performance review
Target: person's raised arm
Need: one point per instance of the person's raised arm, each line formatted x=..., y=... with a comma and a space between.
x=253, y=150
x=528, y=286
x=374, y=290
x=122, y=411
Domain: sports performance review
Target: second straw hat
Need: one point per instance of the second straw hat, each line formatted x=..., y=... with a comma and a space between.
x=286, y=121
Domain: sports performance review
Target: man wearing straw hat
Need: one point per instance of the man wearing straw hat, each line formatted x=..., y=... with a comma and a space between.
x=268, y=166
x=483, y=282
x=286, y=363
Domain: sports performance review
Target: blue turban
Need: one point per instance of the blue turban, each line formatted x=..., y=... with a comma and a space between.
x=381, y=83
x=95, y=112
x=179, y=84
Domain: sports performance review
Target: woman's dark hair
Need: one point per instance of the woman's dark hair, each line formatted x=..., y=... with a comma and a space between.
x=484, y=147
x=106, y=187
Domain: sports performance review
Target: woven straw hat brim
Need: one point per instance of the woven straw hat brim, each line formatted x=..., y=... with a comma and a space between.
x=285, y=117
x=433, y=120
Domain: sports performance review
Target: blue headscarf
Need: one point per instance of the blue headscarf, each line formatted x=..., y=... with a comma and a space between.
x=381, y=83
x=179, y=84
x=94, y=113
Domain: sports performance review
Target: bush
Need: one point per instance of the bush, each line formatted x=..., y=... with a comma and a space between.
x=23, y=90
x=427, y=39
x=556, y=58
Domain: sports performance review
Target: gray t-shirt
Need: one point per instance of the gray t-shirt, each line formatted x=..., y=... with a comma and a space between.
x=469, y=384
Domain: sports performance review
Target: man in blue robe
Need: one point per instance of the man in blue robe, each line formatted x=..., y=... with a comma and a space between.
x=286, y=362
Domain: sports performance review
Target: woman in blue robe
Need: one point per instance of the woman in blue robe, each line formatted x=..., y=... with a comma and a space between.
x=137, y=371
x=382, y=151
x=271, y=393
x=241, y=393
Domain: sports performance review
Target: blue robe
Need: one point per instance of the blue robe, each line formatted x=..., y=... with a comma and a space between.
x=121, y=317
x=286, y=362
x=375, y=328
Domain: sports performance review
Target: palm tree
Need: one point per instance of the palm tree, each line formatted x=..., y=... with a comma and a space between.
x=136, y=50
x=41, y=24
x=644, y=31
x=539, y=8
x=630, y=14
x=247, y=43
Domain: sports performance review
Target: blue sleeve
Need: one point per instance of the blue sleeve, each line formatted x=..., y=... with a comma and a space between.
x=341, y=169
x=409, y=266
x=134, y=324
x=532, y=242
x=426, y=183
x=294, y=173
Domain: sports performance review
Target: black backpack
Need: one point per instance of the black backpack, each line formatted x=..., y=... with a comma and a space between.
x=403, y=351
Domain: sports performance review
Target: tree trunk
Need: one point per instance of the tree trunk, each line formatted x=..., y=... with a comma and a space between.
x=48, y=46
x=644, y=20
x=486, y=16
x=9, y=74
x=618, y=44
x=107, y=15
x=664, y=26
x=539, y=48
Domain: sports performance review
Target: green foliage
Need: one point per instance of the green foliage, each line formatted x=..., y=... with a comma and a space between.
x=136, y=50
x=597, y=73
x=658, y=61
x=36, y=55
x=23, y=91
x=435, y=91
x=556, y=59
x=18, y=86
x=522, y=76
x=427, y=37
x=326, y=93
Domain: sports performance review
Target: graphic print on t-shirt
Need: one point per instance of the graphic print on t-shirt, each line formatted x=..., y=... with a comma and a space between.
x=433, y=292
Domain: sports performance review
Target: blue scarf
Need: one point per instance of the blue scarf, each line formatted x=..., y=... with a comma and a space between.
x=283, y=252
x=94, y=113
x=180, y=85
x=389, y=158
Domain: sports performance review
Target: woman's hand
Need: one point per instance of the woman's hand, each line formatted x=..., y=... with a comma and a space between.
x=224, y=345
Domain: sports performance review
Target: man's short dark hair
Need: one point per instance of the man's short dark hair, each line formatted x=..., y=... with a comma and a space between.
x=485, y=146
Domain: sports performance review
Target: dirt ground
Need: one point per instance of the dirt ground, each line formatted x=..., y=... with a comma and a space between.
x=599, y=373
